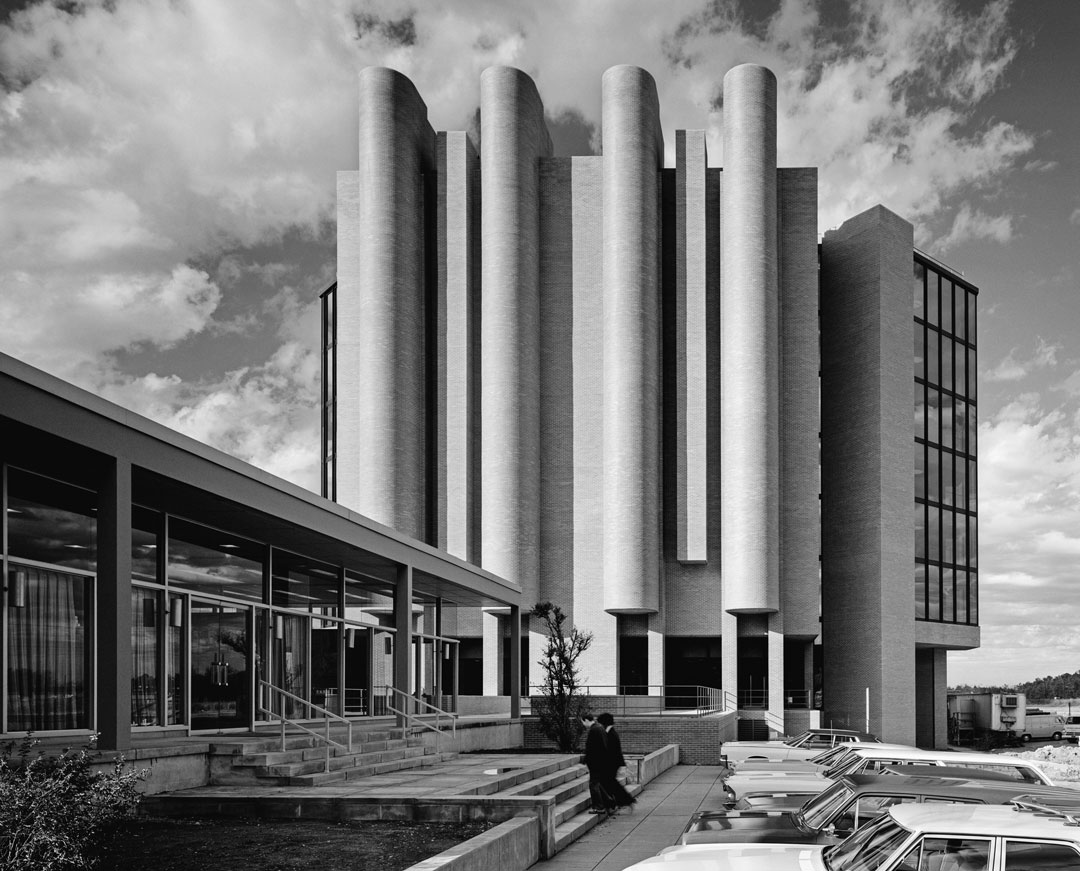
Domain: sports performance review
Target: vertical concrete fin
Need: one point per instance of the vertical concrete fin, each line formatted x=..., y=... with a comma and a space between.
x=633, y=157
x=382, y=423
x=456, y=289
x=800, y=418
x=691, y=382
x=749, y=377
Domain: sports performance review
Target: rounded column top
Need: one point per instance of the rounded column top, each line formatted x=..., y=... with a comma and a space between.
x=747, y=74
x=374, y=80
x=500, y=79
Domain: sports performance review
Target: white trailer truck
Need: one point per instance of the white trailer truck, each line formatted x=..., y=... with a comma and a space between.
x=999, y=718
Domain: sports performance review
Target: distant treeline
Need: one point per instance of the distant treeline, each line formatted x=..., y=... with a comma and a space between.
x=1064, y=686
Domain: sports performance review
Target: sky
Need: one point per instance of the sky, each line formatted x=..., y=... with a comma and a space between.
x=167, y=178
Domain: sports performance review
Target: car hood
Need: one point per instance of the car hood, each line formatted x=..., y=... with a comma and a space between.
x=737, y=857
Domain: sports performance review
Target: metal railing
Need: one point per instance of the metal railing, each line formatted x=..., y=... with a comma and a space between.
x=270, y=693
x=650, y=699
x=413, y=710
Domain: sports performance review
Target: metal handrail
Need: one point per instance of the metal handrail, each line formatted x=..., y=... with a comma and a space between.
x=411, y=720
x=327, y=716
x=626, y=699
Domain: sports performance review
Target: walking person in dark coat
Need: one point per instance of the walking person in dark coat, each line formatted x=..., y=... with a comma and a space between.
x=597, y=760
x=614, y=761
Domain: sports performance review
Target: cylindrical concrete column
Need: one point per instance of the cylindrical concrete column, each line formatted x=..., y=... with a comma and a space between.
x=633, y=157
x=749, y=440
x=381, y=458
x=514, y=137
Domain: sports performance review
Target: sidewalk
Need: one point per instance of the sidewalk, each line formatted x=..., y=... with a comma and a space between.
x=657, y=819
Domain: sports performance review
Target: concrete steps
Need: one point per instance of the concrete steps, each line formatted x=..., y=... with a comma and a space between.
x=303, y=762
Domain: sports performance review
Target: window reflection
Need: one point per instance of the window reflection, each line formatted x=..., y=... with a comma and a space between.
x=51, y=522
x=920, y=411
x=920, y=591
x=933, y=415
x=933, y=474
x=298, y=582
x=919, y=289
x=208, y=560
x=959, y=316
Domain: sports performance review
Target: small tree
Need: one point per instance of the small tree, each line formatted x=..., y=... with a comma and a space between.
x=561, y=704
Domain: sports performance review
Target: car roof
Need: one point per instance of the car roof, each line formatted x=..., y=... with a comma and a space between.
x=982, y=820
x=949, y=757
x=964, y=772
x=989, y=790
x=862, y=736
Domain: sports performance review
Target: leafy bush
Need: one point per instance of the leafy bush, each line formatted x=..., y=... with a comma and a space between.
x=56, y=813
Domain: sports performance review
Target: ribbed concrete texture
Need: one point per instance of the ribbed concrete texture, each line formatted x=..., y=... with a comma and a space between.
x=749, y=451
x=513, y=139
x=381, y=463
x=456, y=301
x=633, y=156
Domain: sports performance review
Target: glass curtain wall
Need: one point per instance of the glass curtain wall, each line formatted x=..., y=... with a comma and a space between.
x=212, y=614
x=945, y=425
x=51, y=538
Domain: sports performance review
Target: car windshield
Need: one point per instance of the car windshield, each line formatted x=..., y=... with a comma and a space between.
x=827, y=757
x=844, y=765
x=817, y=811
x=799, y=739
x=869, y=848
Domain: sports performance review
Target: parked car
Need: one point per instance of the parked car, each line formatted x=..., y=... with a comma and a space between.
x=1032, y=835
x=870, y=758
x=1070, y=729
x=801, y=746
x=867, y=759
x=788, y=799
x=819, y=763
x=849, y=803
x=736, y=786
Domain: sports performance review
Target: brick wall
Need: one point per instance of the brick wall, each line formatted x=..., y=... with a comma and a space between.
x=699, y=739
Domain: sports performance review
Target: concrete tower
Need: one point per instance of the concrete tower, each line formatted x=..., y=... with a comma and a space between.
x=513, y=139
x=749, y=389
x=382, y=427
x=633, y=158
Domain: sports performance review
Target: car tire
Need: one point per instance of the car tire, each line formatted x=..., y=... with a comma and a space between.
x=1056, y=736
x=1025, y=738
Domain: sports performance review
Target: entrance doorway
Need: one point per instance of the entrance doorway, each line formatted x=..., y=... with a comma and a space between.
x=220, y=650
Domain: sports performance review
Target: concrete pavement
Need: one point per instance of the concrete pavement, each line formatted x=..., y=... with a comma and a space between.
x=662, y=810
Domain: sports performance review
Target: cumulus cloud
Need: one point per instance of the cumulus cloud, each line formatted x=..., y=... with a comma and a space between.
x=970, y=223
x=142, y=145
x=1015, y=368
x=1029, y=509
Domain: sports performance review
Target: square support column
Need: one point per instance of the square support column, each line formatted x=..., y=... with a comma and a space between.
x=515, y=662
x=403, y=638
x=113, y=641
